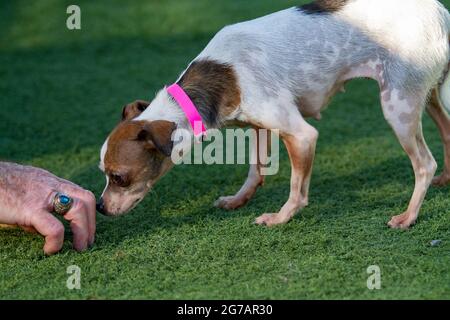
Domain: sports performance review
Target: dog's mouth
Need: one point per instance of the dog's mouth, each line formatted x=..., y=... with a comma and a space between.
x=135, y=204
x=116, y=212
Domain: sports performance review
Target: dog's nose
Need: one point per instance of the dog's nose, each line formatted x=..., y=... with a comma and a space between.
x=101, y=206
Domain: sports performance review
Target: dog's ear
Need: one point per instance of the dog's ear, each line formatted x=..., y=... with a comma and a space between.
x=132, y=110
x=158, y=135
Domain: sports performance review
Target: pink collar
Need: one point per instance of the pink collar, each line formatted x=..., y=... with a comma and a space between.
x=188, y=108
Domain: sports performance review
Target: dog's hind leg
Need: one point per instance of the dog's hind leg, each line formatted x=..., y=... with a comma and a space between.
x=254, y=180
x=442, y=120
x=404, y=111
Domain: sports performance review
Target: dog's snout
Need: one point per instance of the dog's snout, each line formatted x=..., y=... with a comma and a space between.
x=101, y=206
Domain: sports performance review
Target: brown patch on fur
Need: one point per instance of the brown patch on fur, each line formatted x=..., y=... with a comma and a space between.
x=323, y=6
x=134, y=109
x=138, y=146
x=214, y=89
x=159, y=133
x=302, y=163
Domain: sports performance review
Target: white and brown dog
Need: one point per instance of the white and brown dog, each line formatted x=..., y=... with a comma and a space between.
x=275, y=71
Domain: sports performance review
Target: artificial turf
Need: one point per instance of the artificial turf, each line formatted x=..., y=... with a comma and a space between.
x=61, y=92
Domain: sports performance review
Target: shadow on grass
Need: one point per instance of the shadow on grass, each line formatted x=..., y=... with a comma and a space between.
x=331, y=199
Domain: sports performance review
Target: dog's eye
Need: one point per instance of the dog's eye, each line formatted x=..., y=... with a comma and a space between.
x=118, y=180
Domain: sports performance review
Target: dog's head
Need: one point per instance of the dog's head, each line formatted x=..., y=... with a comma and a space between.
x=135, y=155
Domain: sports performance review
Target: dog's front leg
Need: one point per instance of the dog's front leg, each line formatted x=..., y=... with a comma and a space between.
x=301, y=146
x=260, y=150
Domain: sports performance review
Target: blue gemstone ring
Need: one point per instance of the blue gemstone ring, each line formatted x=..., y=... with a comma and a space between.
x=62, y=204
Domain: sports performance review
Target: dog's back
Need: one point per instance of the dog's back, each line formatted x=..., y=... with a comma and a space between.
x=300, y=49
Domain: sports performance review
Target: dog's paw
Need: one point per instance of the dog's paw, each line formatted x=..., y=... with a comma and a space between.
x=403, y=221
x=269, y=220
x=230, y=203
x=442, y=180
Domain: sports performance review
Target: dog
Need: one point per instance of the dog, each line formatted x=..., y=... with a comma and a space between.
x=276, y=71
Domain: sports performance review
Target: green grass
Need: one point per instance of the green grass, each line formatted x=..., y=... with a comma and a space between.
x=61, y=93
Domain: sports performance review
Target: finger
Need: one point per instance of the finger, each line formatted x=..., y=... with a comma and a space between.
x=51, y=228
x=79, y=224
x=89, y=200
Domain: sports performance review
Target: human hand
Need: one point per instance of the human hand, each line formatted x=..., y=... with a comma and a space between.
x=26, y=200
